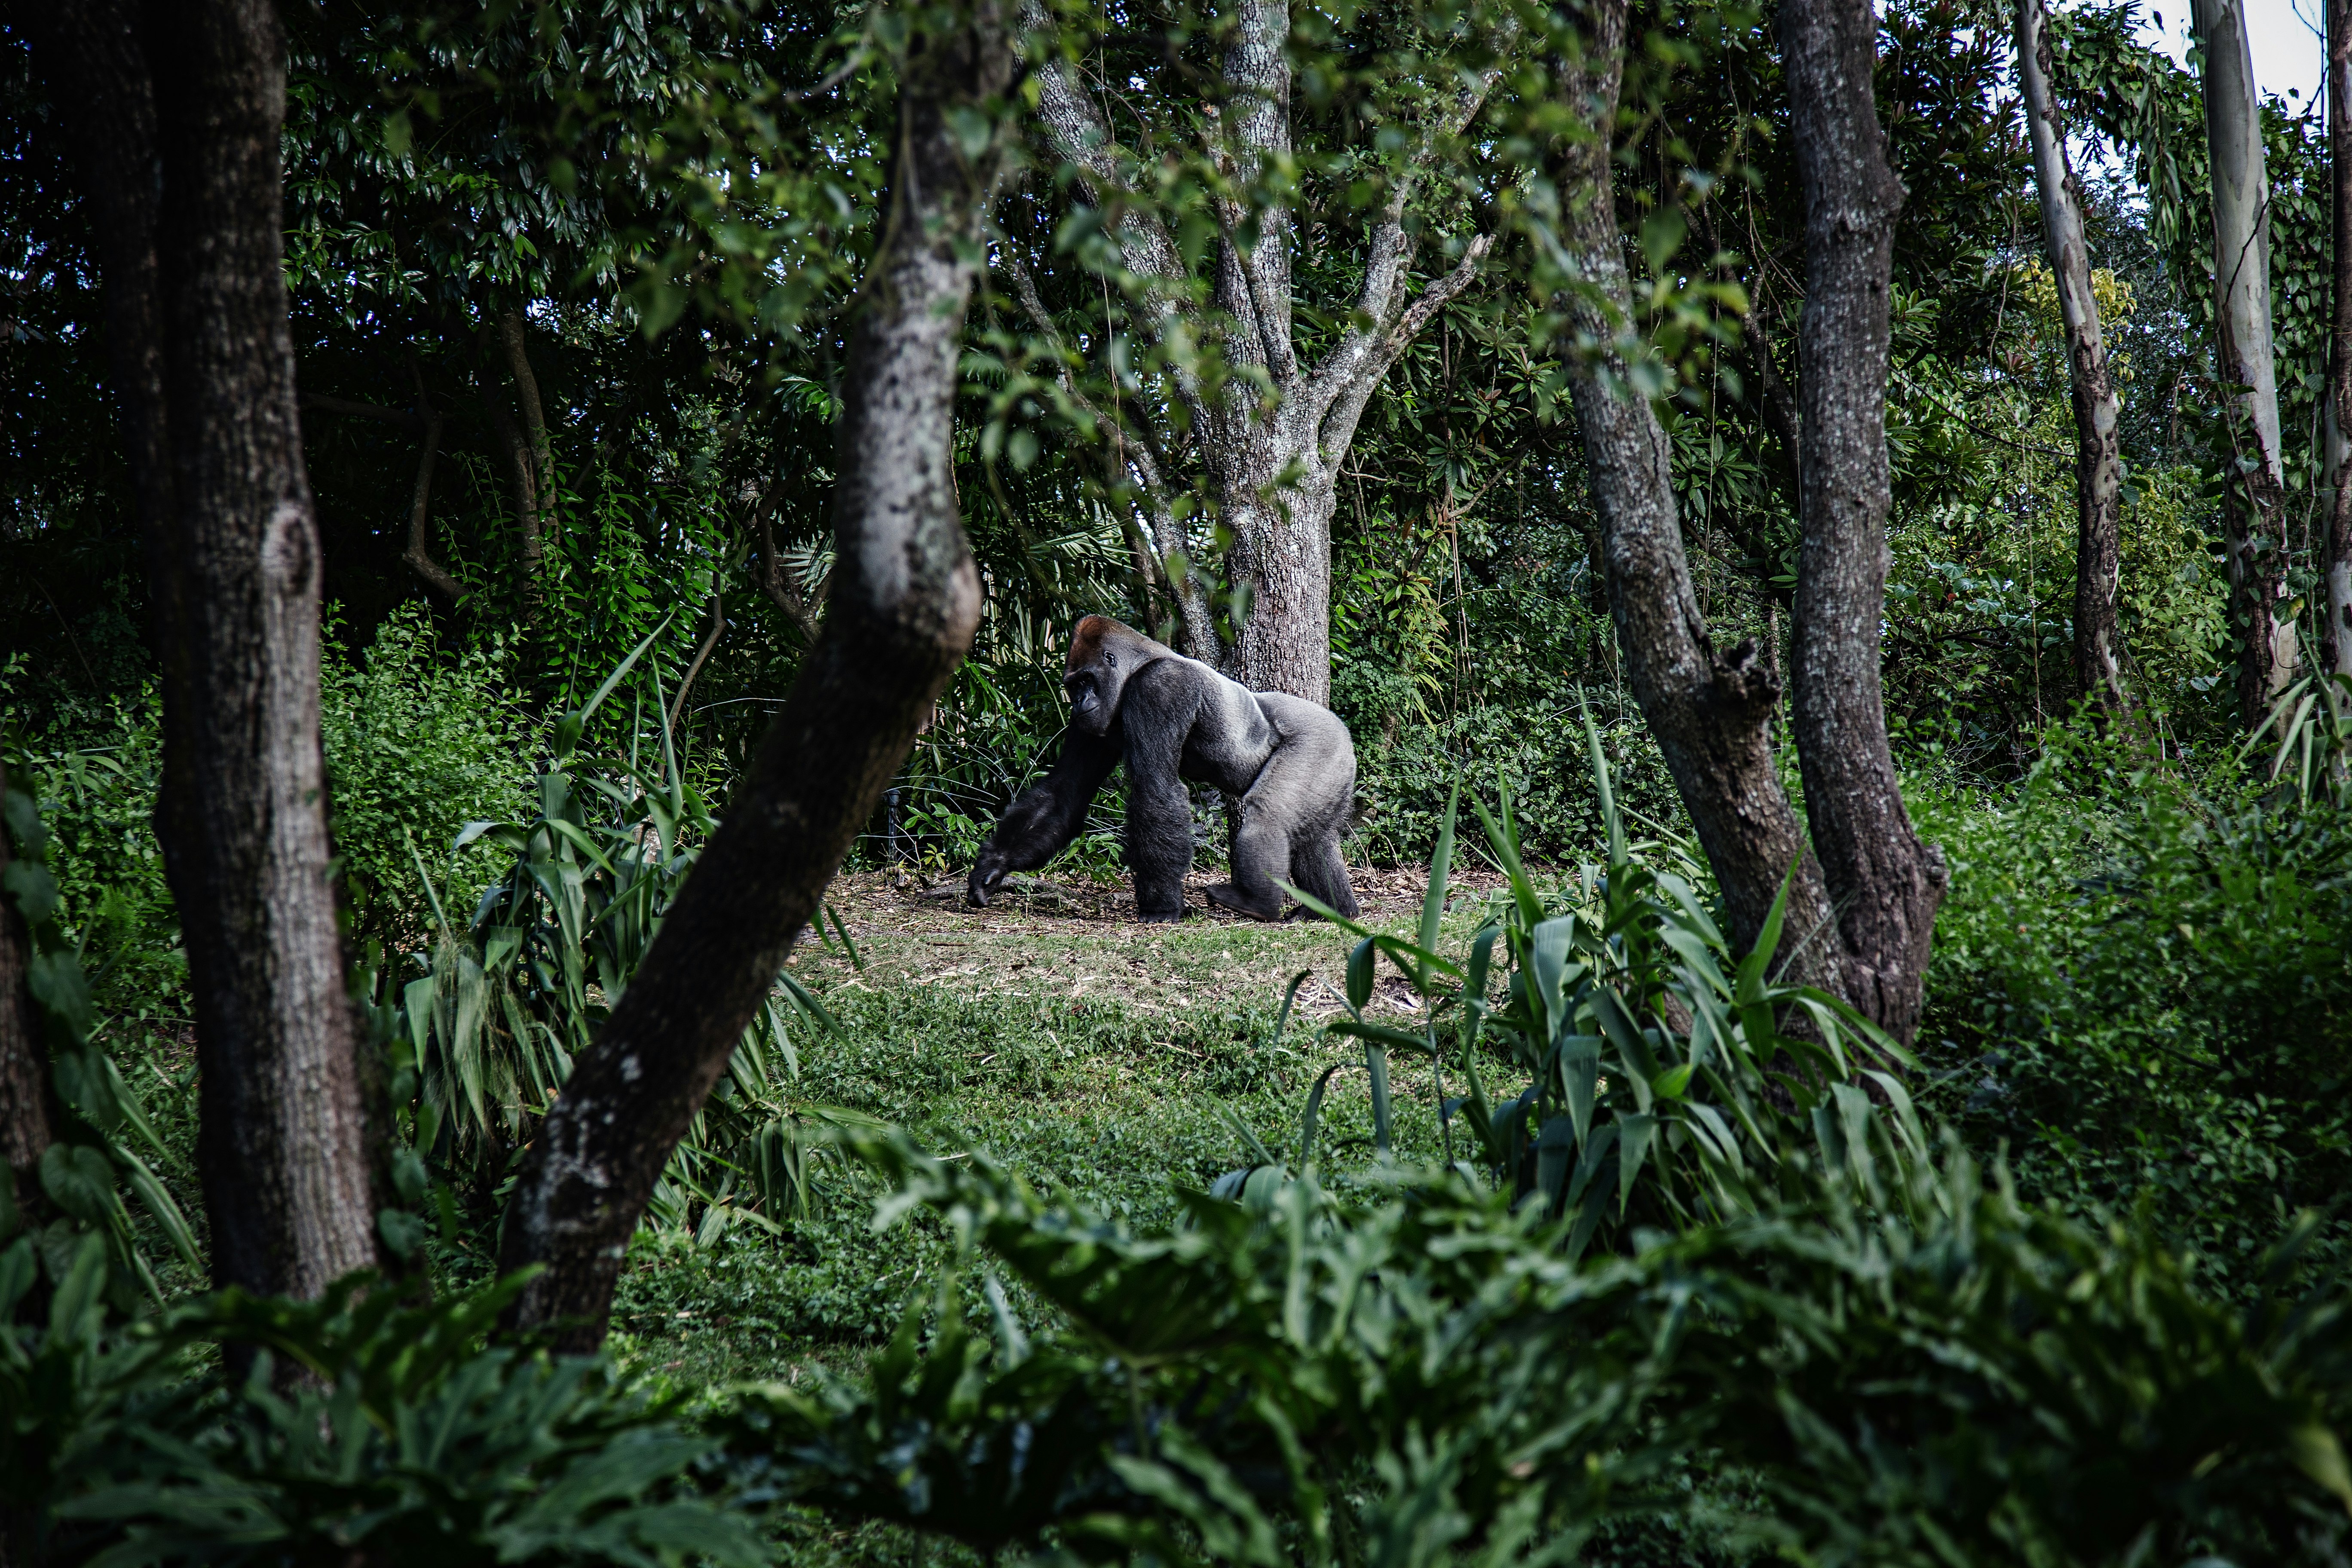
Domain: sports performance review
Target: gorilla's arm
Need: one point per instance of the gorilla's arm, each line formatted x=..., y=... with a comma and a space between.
x=1042, y=822
x=1162, y=703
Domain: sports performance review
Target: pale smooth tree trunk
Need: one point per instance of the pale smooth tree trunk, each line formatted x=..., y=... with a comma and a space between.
x=2244, y=357
x=176, y=111
x=900, y=613
x=1884, y=882
x=1272, y=476
x=2098, y=452
x=1710, y=711
x=2337, y=652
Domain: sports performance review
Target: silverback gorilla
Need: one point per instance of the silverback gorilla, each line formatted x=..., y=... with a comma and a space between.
x=1289, y=762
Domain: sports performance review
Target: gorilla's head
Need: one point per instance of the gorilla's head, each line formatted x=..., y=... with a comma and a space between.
x=1103, y=653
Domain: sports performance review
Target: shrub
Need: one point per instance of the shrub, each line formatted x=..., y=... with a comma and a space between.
x=1536, y=751
x=419, y=743
x=2142, y=988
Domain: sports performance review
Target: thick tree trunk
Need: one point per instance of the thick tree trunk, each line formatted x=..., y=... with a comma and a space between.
x=1271, y=472
x=2338, y=634
x=1711, y=712
x=2099, y=459
x=1281, y=558
x=1282, y=551
x=197, y=322
x=2243, y=355
x=1885, y=883
x=903, y=606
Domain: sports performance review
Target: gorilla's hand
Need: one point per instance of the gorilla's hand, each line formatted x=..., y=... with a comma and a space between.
x=987, y=874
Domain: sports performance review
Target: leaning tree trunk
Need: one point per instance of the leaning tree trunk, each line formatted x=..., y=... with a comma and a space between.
x=1710, y=711
x=2098, y=452
x=2337, y=652
x=2256, y=510
x=904, y=603
x=176, y=112
x=1885, y=882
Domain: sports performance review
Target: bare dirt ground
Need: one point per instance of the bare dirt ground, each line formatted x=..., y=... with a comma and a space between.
x=1076, y=938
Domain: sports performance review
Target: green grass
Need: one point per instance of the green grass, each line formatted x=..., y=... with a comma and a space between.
x=1096, y=1055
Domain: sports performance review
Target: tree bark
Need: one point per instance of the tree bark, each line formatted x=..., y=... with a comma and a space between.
x=418, y=557
x=181, y=165
x=28, y=1116
x=1884, y=882
x=533, y=456
x=2243, y=353
x=903, y=606
x=1271, y=474
x=2337, y=652
x=1710, y=711
x=2098, y=458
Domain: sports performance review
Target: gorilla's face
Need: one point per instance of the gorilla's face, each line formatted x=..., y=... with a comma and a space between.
x=1090, y=707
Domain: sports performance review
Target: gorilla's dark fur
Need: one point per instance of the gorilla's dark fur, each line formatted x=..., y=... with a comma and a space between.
x=1289, y=762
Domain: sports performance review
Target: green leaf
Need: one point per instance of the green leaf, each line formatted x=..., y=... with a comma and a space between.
x=1633, y=1147
x=1440, y=866
x=1610, y=816
x=1661, y=234
x=81, y=1181
x=2318, y=1455
x=1308, y=1120
x=402, y=1231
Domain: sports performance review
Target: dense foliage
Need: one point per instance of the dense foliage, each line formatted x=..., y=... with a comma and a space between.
x=1572, y=1230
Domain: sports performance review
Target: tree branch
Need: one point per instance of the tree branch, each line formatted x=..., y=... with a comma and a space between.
x=775, y=580
x=1140, y=460
x=714, y=623
x=1344, y=399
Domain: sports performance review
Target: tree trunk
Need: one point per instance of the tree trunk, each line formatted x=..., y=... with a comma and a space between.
x=181, y=165
x=1272, y=473
x=2099, y=459
x=714, y=623
x=2243, y=355
x=901, y=612
x=1711, y=713
x=1884, y=882
x=28, y=1118
x=2338, y=632
x=532, y=458
x=418, y=555
x=775, y=579
x=1282, y=551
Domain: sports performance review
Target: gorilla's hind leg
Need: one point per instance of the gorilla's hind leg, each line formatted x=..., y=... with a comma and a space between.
x=1261, y=854
x=1318, y=867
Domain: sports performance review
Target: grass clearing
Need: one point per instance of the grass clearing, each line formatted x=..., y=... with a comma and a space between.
x=1090, y=1051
